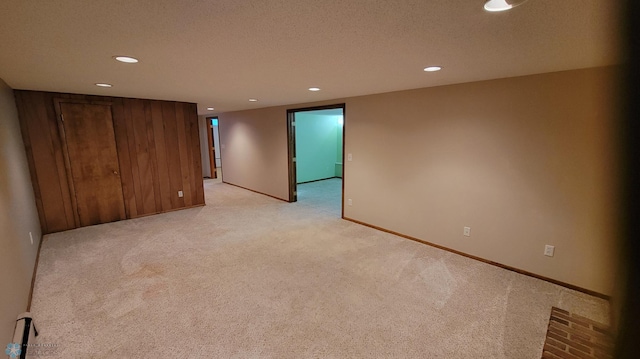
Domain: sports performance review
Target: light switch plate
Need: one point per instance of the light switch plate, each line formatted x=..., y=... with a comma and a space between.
x=349, y=157
x=467, y=231
x=180, y=194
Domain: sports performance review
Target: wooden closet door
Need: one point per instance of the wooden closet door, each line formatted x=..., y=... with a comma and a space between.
x=87, y=130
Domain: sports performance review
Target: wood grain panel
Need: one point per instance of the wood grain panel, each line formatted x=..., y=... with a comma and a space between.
x=184, y=157
x=138, y=209
x=194, y=128
x=24, y=129
x=142, y=152
x=33, y=112
x=153, y=158
x=161, y=156
x=60, y=162
x=157, y=143
x=173, y=157
x=90, y=140
x=122, y=145
x=189, y=151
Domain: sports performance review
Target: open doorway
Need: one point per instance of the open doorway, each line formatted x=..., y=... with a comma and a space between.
x=213, y=137
x=316, y=153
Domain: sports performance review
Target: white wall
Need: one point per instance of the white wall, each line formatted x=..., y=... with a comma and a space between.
x=253, y=147
x=18, y=217
x=523, y=161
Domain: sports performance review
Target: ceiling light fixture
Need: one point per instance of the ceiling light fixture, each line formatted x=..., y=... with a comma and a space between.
x=253, y=100
x=314, y=89
x=104, y=85
x=210, y=108
x=432, y=68
x=501, y=5
x=126, y=59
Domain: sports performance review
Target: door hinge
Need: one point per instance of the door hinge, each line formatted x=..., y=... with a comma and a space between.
x=62, y=117
x=294, y=159
x=293, y=123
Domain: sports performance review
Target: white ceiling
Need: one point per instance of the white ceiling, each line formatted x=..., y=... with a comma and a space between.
x=222, y=52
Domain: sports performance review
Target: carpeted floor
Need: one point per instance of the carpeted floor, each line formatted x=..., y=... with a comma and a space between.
x=248, y=276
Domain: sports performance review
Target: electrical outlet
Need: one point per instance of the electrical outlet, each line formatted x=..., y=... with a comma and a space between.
x=349, y=157
x=548, y=250
x=31, y=237
x=350, y=202
x=180, y=194
x=467, y=231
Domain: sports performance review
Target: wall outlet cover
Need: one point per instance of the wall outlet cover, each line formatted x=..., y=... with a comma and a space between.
x=180, y=194
x=467, y=231
x=549, y=250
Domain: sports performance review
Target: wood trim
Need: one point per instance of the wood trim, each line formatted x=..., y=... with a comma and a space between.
x=220, y=145
x=291, y=147
x=211, y=150
x=319, y=108
x=254, y=191
x=291, y=154
x=344, y=136
x=500, y=265
x=167, y=211
x=33, y=276
x=318, y=180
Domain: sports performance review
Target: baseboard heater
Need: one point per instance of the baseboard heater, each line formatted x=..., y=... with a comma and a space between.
x=23, y=336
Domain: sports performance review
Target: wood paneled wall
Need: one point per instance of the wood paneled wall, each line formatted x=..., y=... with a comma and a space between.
x=158, y=150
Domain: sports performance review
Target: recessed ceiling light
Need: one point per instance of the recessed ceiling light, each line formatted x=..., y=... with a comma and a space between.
x=314, y=89
x=126, y=59
x=501, y=5
x=210, y=108
x=253, y=100
x=104, y=85
x=432, y=68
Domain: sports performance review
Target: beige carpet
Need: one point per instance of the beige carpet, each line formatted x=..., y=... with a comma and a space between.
x=248, y=276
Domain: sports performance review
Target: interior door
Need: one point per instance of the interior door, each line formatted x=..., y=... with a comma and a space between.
x=92, y=161
x=212, y=149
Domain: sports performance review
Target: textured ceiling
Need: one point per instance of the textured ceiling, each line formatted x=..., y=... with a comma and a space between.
x=222, y=52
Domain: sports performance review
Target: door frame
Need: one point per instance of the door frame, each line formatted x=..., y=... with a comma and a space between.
x=212, y=149
x=57, y=101
x=291, y=146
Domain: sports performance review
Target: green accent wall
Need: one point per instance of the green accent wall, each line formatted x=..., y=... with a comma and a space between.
x=338, y=165
x=318, y=145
